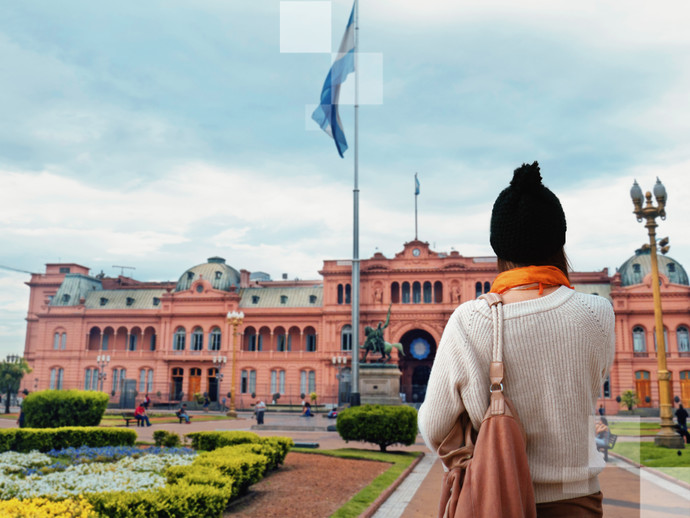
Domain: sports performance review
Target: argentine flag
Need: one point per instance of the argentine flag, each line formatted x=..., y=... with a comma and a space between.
x=326, y=115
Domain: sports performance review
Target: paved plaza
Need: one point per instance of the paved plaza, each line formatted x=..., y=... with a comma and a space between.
x=628, y=491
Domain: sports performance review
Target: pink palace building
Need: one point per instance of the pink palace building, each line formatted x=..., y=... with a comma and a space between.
x=172, y=340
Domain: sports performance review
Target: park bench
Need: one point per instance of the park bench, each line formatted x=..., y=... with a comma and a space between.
x=128, y=416
x=180, y=418
x=609, y=445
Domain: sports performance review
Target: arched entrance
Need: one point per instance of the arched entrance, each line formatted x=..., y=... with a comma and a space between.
x=420, y=350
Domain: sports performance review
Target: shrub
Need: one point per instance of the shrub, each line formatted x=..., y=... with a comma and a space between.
x=244, y=468
x=57, y=408
x=45, y=508
x=173, y=501
x=629, y=399
x=41, y=439
x=209, y=441
x=377, y=424
x=165, y=438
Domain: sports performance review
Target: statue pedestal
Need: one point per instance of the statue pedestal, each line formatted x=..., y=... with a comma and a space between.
x=379, y=384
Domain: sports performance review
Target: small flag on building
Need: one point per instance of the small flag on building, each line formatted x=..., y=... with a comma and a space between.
x=416, y=185
x=326, y=115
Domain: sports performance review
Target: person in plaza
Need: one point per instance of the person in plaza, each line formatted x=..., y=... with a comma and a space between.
x=207, y=402
x=147, y=401
x=682, y=418
x=141, y=415
x=306, y=410
x=182, y=413
x=259, y=410
x=601, y=410
x=602, y=432
x=558, y=348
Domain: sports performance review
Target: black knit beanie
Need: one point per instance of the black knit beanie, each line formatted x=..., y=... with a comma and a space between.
x=527, y=221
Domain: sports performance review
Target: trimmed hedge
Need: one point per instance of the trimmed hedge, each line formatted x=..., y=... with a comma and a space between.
x=174, y=501
x=165, y=438
x=209, y=441
x=42, y=439
x=378, y=424
x=58, y=408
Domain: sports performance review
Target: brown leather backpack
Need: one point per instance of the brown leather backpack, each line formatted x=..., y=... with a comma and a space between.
x=488, y=475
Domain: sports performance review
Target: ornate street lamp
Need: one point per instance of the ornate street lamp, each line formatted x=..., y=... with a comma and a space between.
x=666, y=437
x=219, y=362
x=102, y=360
x=235, y=320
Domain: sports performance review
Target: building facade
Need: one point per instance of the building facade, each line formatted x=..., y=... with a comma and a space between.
x=172, y=340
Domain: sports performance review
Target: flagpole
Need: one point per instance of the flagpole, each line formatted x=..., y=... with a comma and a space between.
x=415, y=206
x=354, y=396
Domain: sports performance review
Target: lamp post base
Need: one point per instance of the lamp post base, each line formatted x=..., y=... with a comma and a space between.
x=231, y=413
x=674, y=442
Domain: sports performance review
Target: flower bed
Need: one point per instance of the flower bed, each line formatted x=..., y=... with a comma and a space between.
x=124, y=481
x=86, y=470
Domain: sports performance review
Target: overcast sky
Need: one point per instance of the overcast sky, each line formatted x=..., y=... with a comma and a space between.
x=158, y=134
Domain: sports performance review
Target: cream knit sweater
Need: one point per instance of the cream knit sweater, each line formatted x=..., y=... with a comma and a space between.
x=557, y=351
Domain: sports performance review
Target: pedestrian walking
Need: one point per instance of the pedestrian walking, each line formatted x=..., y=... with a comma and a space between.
x=558, y=346
x=682, y=418
x=259, y=410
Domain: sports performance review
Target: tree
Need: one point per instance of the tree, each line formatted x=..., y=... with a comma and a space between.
x=12, y=371
x=629, y=399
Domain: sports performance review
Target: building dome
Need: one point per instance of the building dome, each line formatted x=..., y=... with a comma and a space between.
x=634, y=270
x=220, y=275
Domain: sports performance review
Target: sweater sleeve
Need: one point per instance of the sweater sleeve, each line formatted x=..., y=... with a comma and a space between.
x=443, y=403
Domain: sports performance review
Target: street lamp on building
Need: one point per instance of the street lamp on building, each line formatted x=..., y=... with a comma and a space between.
x=219, y=362
x=235, y=320
x=102, y=360
x=648, y=213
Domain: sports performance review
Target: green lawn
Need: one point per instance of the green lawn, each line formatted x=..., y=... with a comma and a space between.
x=362, y=500
x=664, y=459
x=634, y=428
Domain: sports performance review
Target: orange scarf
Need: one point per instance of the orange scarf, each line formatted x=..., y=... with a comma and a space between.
x=539, y=275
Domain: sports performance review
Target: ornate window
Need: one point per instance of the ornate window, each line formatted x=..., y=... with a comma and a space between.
x=438, y=292
x=197, y=339
x=145, y=380
x=91, y=378
x=395, y=293
x=477, y=289
x=639, y=341
x=132, y=346
x=310, y=339
x=277, y=381
x=346, y=338
x=307, y=382
x=340, y=294
x=406, y=292
x=214, y=339
x=56, y=375
x=427, y=292
x=179, y=339
x=416, y=293
x=683, y=338
x=248, y=381
x=119, y=376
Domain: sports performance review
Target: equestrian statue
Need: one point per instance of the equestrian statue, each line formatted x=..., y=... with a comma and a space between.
x=375, y=343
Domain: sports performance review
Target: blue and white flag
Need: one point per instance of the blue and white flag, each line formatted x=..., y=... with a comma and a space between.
x=326, y=115
x=416, y=185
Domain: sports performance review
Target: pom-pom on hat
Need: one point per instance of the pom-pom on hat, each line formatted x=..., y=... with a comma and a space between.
x=527, y=221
